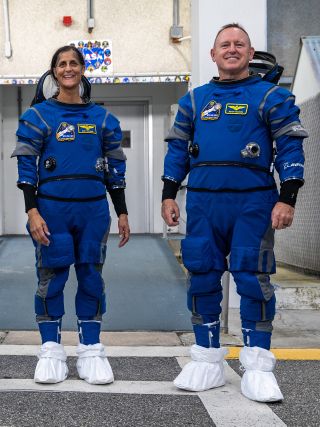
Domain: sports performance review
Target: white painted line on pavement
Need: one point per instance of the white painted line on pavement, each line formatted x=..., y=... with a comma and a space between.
x=128, y=387
x=228, y=407
x=114, y=351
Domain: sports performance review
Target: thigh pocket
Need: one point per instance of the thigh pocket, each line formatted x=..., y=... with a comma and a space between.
x=197, y=254
x=60, y=252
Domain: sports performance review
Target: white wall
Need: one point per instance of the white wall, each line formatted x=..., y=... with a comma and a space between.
x=139, y=30
x=208, y=16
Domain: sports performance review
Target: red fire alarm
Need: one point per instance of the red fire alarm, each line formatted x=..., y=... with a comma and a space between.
x=67, y=21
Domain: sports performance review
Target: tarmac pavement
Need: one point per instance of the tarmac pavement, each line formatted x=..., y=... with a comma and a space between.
x=144, y=365
x=146, y=362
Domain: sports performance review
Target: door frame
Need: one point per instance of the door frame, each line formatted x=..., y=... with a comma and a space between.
x=147, y=148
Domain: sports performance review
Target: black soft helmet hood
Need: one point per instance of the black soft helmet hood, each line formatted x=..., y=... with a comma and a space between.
x=47, y=87
x=265, y=63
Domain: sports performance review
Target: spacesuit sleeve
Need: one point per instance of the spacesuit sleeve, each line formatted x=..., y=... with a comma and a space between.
x=282, y=116
x=113, y=152
x=176, y=162
x=31, y=133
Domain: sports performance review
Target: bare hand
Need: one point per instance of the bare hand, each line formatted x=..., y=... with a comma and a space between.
x=38, y=227
x=170, y=212
x=124, y=229
x=282, y=216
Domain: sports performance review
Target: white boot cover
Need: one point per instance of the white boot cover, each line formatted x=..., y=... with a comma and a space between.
x=205, y=371
x=51, y=367
x=258, y=382
x=93, y=365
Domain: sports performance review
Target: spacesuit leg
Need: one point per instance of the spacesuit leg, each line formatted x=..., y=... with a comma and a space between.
x=49, y=304
x=205, y=262
x=49, y=307
x=257, y=310
x=90, y=302
x=251, y=263
x=92, y=364
x=204, y=302
x=206, y=369
x=257, y=307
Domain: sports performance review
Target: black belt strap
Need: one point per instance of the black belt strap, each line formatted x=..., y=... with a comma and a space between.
x=232, y=190
x=74, y=199
x=228, y=163
x=66, y=177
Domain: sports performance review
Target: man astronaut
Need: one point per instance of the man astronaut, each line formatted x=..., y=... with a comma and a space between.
x=223, y=137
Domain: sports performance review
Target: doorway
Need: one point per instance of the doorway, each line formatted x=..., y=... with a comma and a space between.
x=134, y=123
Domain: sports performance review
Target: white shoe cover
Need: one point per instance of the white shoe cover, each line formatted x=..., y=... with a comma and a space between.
x=93, y=365
x=258, y=382
x=205, y=371
x=51, y=367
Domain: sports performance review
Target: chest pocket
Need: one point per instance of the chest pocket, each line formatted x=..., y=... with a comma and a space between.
x=84, y=130
x=234, y=110
x=88, y=137
x=235, y=123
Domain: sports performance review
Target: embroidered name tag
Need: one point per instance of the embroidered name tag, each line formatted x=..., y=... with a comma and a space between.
x=236, y=108
x=85, y=128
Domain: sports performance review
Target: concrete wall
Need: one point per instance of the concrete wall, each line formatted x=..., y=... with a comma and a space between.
x=139, y=31
x=288, y=20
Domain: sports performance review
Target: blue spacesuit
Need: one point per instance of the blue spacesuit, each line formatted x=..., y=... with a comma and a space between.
x=223, y=137
x=71, y=153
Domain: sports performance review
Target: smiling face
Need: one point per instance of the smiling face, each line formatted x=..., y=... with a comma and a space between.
x=232, y=53
x=68, y=70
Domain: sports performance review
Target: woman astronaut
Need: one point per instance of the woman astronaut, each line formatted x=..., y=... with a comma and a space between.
x=69, y=152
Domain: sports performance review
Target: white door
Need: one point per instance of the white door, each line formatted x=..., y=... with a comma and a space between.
x=135, y=146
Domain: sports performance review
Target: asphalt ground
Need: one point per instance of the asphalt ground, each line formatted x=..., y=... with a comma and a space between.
x=145, y=363
x=143, y=393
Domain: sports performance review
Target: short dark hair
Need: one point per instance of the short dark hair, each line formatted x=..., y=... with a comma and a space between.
x=64, y=49
x=232, y=25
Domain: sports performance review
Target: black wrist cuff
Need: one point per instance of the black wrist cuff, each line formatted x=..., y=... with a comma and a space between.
x=289, y=191
x=170, y=189
x=29, y=193
x=119, y=201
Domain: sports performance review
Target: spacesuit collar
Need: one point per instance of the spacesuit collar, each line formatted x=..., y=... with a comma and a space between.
x=247, y=80
x=54, y=101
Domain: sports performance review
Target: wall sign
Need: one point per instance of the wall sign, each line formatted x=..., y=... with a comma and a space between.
x=97, y=55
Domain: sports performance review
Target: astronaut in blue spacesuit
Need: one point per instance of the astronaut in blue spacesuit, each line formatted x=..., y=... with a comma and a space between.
x=223, y=136
x=69, y=151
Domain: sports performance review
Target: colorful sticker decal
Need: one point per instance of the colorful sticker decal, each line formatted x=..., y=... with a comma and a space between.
x=211, y=111
x=97, y=56
x=86, y=128
x=236, y=109
x=65, y=132
x=105, y=79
